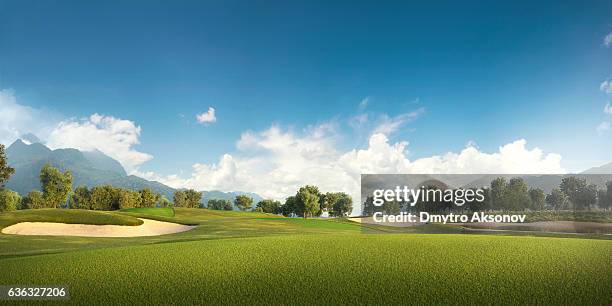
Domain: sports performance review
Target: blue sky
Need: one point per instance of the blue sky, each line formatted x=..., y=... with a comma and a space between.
x=481, y=72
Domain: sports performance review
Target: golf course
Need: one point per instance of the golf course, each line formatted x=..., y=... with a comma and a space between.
x=231, y=257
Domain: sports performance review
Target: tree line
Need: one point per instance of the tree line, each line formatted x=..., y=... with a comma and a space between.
x=573, y=193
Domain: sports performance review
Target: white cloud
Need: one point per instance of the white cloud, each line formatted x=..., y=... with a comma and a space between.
x=389, y=125
x=603, y=127
x=207, y=117
x=17, y=119
x=607, y=41
x=275, y=163
x=608, y=109
x=606, y=86
x=113, y=136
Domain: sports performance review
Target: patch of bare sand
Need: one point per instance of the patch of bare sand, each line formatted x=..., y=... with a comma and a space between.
x=547, y=226
x=147, y=228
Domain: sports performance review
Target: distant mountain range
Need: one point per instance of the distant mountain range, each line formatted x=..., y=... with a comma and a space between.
x=89, y=168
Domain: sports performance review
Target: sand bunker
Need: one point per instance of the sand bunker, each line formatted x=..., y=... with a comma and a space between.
x=148, y=228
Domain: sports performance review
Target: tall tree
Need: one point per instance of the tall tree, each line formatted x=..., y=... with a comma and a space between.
x=56, y=185
x=148, y=198
x=308, y=200
x=5, y=170
x=193, y=198
x=34, y=200
x=497, y=194
x=343, y=206
x=81, y=198
x=538, y=198
x=290, y=207
x=517, y=194
x=180, y=198
x=557, y=200
x=243, y=202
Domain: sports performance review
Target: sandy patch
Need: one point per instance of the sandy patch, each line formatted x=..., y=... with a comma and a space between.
x=547, y=226
x=147, y=228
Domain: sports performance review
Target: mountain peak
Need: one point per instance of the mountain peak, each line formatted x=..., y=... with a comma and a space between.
x=30, y=138
x=603, y=169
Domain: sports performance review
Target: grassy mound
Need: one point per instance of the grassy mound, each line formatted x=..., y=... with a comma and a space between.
x=333, y=269
x=73, y=216
x=162, y=212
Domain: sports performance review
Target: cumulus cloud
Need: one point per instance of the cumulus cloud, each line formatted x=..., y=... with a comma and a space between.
x=17, y=119
x=607, y=41
x=276, y=162
x=113, y=136
x=207, y=117
x=603, y=127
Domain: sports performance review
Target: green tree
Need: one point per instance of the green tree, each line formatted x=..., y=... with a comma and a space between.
x=368, y=208
x=343, y=206
x=34, y=200
x=148, y=198
x=606, y=202
x=194, y=198
x=269, y=206
x=9, y=200
x=104, y=198
x=219, y=204
x=5, y=170
x=164, y=202
x=290, y=207
x=517, y=194
x=56, y=185
x=243, y=202
x=538, y=198
x=392, y=207
x=127, y=198
x=81, y=198
x=329, y=199
x=187, y=198
x=498, y=194
x=308, y=200
x=580, y=194
x=557, y=200
x=179, y=198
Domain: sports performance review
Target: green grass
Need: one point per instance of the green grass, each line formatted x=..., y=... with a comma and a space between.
x=332, y=269
x=252, y=258
x=163, y=212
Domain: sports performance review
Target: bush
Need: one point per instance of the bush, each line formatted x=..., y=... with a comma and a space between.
x=33, y=200
x=9, y=200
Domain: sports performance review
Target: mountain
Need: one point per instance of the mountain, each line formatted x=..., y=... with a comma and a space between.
x=605, y=169
x=89, y=168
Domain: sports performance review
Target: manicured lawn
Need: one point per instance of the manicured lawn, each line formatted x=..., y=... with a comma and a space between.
x=163, y=212
x=332, y=269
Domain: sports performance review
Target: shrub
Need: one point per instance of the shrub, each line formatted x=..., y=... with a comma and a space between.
x=9, y=200
x=33, y=200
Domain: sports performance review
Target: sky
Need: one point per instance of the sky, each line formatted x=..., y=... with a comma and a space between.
x=266, y=96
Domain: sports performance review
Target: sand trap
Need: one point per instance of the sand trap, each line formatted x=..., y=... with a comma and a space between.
x=148, y=228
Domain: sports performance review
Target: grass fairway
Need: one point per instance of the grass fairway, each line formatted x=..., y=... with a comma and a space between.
x=249, y=258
